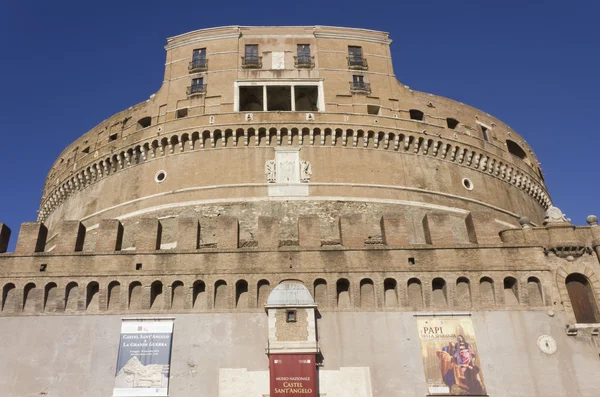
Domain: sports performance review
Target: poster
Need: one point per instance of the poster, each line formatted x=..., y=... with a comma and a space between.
x=144, y=358
x=450, y=356
x=293, y=375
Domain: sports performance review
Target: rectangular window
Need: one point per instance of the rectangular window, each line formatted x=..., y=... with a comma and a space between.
x=373, y=109
x=484, y=131
x=181, y=113
x=303, y=51
x=251, y=58
x=199, y=62
x=303, y=59
x=306, y=98
x=290, y=316
x=252, y=52
x=356, y=59
x=199, y=54
x=197, y=87
x=251, y=99
x=354, y=52
x=279, y=98
x=358, y=83
x=198, y=82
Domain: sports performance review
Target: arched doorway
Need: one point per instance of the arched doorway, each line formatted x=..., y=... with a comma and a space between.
x=582, y=298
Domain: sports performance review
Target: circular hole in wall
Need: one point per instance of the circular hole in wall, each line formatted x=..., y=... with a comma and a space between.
x=160, y=176
x=467, y=183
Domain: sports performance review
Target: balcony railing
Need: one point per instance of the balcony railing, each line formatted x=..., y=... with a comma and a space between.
x=198, y=65
x=358, y=63
x=196, y=89
x=304, y=62
x=360, y=86
x=252, y=62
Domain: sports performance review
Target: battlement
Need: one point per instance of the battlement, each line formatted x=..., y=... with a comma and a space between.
x=434, y=229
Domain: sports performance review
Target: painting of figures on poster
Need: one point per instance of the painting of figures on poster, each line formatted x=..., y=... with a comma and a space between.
x=144, y=360
x=450, y=356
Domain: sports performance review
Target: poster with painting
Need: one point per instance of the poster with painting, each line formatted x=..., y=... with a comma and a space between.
x=450, y=356
x=144, y=360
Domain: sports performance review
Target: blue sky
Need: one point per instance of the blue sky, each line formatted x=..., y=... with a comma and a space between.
x=68, y=65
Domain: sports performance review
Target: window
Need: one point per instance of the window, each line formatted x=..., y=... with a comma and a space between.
x=86, y=150
x=484, y=131
x=144, y=122
x=182, y=113
x=290, y=316
x=284, y=97
x=355, y=54
x=452, y=123
x=197, y=86
x=303, y=59
x=251, y=58
x=199, y=62
x=279, y=98
x=416, y=114
x=199, y=82
x=373, y=109
x=113, y=137
x=251, y=99
x=515, y=149
x=359, y=84
x=199, y=54
x=306, y=97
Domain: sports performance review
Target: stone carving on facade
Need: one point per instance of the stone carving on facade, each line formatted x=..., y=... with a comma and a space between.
x=305, y=171
x=554, y=215
x=286, y=171
x=270, y=171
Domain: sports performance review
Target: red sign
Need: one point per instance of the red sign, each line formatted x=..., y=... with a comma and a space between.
x=293, y=375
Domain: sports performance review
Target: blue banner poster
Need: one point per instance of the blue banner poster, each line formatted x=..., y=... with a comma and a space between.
x=144, y=358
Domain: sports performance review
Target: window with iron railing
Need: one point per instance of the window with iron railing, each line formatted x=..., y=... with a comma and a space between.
x=199, y=62
x=358, y=84
x=303, y=58
x=251, y=58
x=356, y=59
x=197, y=88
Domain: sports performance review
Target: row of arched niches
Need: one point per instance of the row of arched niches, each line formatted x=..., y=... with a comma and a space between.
x=498, y=292
x=184, y=294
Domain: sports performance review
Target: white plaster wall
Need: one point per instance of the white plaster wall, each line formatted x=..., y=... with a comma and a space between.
x=76, y=355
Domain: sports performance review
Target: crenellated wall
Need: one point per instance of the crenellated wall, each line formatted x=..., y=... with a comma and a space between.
x=449, y=269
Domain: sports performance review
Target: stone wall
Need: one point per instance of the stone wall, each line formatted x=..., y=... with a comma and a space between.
x=363, y=354
x=115, y=164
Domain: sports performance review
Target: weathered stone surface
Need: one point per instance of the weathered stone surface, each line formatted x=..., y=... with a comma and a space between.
x=70, y=238
x=228, y=232
x=110, y=235
x=188, y=233
x=32, y=238
x=268, y=232
x=148, y=237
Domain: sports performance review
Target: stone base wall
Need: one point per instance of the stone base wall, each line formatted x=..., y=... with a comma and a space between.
x=59, y=356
